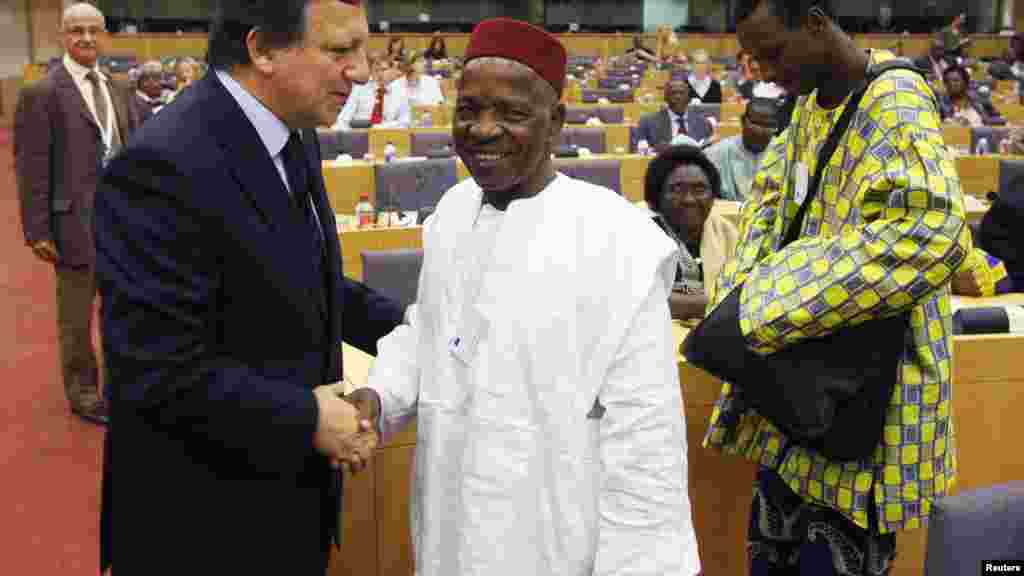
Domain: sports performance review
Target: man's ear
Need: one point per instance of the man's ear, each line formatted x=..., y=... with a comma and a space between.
x=262, y=58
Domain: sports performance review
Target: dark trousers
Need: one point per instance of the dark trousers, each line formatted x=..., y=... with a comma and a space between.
x=76, y=294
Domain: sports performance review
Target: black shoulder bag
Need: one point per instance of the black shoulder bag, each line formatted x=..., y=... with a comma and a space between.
x=830, y=393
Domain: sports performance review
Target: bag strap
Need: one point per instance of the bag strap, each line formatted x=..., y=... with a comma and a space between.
x=829, y=147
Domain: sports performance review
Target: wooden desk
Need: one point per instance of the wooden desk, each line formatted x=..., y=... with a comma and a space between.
x=956, y=135
x=979, y=175
x=355, y=242
x=987, y=406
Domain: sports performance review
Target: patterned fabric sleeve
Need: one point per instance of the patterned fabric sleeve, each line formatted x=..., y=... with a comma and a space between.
x=914, y=238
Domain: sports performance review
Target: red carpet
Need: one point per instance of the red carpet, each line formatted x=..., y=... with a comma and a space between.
x=49, y=508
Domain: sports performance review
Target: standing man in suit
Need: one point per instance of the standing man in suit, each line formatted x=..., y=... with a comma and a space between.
x=66, y=126
x=224, y=307
x=660, y=128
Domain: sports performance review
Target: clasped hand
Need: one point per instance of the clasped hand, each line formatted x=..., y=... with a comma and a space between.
x=347, y=430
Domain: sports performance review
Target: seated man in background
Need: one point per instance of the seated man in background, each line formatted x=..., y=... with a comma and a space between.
x=422, y=89
x=680, y=189
x=381, y=102
x=150, y=96
x=661, y=128
x=737, y=157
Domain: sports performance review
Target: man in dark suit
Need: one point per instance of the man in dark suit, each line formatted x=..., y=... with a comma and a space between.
x=224, y=307
x=661, y=127
x=65, y=126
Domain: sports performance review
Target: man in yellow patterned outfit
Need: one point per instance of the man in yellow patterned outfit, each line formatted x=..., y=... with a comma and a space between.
x=882, y=237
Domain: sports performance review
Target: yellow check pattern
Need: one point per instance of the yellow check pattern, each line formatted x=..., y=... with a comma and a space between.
x=883, y=236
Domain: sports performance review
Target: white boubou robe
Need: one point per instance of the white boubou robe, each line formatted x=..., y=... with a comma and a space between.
x=550, y=432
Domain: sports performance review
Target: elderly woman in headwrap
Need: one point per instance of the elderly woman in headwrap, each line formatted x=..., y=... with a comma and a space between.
x=680, y=188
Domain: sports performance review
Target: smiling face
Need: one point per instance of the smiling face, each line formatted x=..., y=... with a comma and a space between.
x=312, y=81
x=677, y=96
x=686, y=200
x=795, y=59
x=507, y=122
x=81, y=30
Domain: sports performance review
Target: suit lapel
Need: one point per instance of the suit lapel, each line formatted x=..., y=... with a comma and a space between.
x=253, y=168
x=66, y=85
x=665, y=126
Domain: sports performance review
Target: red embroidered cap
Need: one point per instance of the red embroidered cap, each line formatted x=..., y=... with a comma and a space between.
x=522, y=42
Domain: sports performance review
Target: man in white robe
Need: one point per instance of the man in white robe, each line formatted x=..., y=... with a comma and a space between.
x=538, y=359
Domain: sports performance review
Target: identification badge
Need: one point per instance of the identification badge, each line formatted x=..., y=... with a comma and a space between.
x=801, y=184
x=463, y=344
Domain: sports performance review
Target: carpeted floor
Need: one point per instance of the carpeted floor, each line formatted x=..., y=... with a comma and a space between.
x=51, y=460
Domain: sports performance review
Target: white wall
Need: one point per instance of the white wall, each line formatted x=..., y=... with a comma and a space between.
x=14, y=37
x=671, y=12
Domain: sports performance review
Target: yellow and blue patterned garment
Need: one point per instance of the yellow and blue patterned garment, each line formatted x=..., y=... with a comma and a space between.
x=989, y=273
x=883, y=236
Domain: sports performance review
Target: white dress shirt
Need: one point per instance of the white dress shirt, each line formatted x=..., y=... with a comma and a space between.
x=426, y=92
x=78, y=74
x=397, y=112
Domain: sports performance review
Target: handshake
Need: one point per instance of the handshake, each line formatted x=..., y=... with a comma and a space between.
x=347, y=431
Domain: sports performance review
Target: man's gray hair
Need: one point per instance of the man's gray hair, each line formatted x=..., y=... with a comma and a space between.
x=81, y=10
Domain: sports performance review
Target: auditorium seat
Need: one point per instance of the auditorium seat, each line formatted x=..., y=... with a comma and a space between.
x=1011, y=181
x=614, y=83
x=611, y=114
x=591, y=138
x=602, y=172
x=974, y=526
x=592, y=96
x=413, y=185
x=393, y=273
x=578, y=115
x=993, y=134
x=422, y=142
x=335, y=142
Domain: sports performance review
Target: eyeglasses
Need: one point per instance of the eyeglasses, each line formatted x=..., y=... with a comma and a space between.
x=680, y=190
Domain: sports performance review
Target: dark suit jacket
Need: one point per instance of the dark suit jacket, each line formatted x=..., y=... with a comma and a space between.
x=656, y=127
x=216, y=328
x=58, y=156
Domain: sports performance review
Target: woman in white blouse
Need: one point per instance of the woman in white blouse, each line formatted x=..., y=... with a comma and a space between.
x=423, y=90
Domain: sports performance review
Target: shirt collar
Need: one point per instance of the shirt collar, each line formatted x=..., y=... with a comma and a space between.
x=78, y=72
x=273, y=132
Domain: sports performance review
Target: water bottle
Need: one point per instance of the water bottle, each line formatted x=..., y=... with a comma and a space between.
x=427, y=120
x=364, y=212
x=389, y=152
x=643, y=147
x=982, y=148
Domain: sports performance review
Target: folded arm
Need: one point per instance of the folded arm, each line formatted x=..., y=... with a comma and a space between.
x=913, y=239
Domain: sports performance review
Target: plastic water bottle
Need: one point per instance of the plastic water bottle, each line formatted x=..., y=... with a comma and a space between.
x=643, y=147
x=364, y=212
x=982, y=148
x=389, y=152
